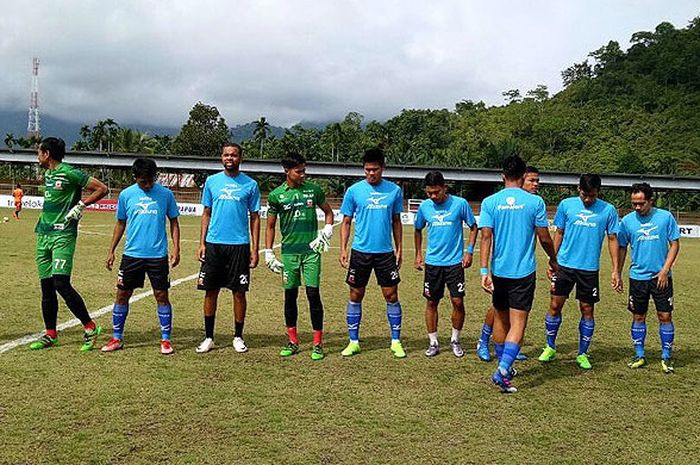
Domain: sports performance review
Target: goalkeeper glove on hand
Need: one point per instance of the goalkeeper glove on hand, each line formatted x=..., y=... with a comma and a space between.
x=323, y=240
x=76, y=212
x=271, y=261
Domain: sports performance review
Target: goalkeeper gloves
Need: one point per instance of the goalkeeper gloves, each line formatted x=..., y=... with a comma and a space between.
x=323, y=240
x=271, y=261
x=76, y=212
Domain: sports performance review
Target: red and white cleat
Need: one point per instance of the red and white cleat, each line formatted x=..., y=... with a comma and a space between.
x=112, y=345
x=166, y=348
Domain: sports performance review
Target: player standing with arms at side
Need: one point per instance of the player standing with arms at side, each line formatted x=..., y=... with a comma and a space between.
x=653, y=235
x=376, y=205
x=18, y=193
x=294, y=203
x=229, y=242
x=57, y=234
x=445, y=260
x=531, y=184
x=509, y=222
x=582, y=222
x=142, y=209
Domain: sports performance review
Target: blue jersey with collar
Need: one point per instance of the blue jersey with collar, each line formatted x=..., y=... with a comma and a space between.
x=145, y=213
x=513, y=214
x=230, y=198
x=373, y=207
x=445, y=230
x=584, y=229
x=648, y=237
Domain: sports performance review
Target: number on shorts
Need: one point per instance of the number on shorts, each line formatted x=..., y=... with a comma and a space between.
x=460, y=287
x=59, y=263
x=595, y=292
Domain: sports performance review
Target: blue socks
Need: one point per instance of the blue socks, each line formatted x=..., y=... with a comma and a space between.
x=510, y=351
x=639, y=335
x=119, y=313
x=666, y=333
x=393, y=314
x=486, y=331
x=353, y=318
x=551, y=327
x=499, y=350
x=585, y=330
x=165, y=316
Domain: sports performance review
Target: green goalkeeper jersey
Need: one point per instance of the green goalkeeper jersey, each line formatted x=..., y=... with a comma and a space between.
x=62, y=190
x=296, y=209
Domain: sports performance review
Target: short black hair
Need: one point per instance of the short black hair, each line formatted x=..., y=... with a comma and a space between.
x=532, y=169
x=18, y=185
x=513, y=167
x=373, y=156
x=589, y=182
x=434, y=178
x=144, y=168
x=644, y=188
x=233, y=144
x=293, y=159
x=55, y=146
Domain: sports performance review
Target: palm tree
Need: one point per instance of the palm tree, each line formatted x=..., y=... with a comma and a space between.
x=9, y=141
x=335, y=134
x=261, y=131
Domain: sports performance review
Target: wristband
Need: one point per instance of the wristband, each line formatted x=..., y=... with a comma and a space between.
x=484, y=271
x=470, y=249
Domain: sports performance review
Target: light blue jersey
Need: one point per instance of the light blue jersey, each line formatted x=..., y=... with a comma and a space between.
x=445, y=231
x=648, y=237
x=373, y=208
x=584, y=229
x=513, y=214
x=230, y=198
x=145, y=214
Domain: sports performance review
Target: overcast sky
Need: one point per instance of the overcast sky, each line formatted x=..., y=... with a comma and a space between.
x=150, y=61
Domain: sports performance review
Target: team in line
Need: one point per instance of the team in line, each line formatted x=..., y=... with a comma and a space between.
x=511, y=221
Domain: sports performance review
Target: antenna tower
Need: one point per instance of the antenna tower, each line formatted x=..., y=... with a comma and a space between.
x=33, y=129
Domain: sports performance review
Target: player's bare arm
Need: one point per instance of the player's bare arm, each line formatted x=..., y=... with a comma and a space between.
x=119, y=228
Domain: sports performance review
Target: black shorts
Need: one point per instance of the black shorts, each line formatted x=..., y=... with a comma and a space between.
x=132, y=273
x=515, y=293
x=586, y=282
x=225, y=265
x=436, y=277
x=362, y=264
x=640, y=291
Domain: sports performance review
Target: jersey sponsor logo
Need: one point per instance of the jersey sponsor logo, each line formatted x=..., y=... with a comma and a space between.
x=645, y=230
x=510, y=205
x=227, y=192
x=426, y=289
x=374, y=201
x=144, y=203
x=202, y=276
x=440, y=216
x=583, y=219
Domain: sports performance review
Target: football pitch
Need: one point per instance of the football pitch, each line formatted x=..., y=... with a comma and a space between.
x=135, y=406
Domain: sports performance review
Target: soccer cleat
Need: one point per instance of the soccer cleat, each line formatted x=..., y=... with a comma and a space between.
x=397, y=349
x=352, y=348
x=45, y=342
x=239, y=345
x=89, y=339
x=166, y=348
x=432, y=350
x=520, y=357
x=205, y=346
x=583, y=362
x=112, y=345
x=637, y=362
x=457, y=349
x=503, y=383
x=548, y=354
x=289, y=350
x=482, y=351
x=667, y=366
x=317, y=353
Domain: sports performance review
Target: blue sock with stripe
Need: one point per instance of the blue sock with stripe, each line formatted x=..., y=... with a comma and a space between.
x=551, y=328
x=585, y=331
x=510, y=351
x=119, y=313
x=666, y=333
x=499, y=350
x=639, y=335
x=353, y=315
x=393, y=314
x=165, y=316
x=486, y=331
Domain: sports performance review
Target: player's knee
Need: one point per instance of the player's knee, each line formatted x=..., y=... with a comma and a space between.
x=313, y=294
x=391, y=294
x=664, y=317
x=357, y=294
x=62, y=283
x=161, y=295
x=639, y=317
x=587, y=310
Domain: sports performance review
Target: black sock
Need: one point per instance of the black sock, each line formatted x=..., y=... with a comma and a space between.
x=75, y=303
x=209, y=326
x=315, y=308
x=49, y=303
x=291, y=311
x=238, y=329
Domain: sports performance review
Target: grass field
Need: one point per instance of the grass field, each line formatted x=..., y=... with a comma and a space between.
x=135, y=406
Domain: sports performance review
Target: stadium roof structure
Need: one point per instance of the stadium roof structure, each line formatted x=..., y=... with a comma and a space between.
x=326, y=169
